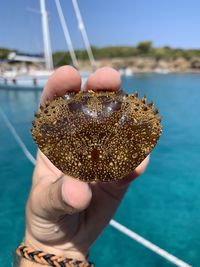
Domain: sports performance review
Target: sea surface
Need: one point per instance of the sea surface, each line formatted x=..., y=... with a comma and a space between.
x=163, y=205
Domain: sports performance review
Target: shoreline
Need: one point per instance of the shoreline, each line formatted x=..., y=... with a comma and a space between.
x=128, y=65
x=147, y=65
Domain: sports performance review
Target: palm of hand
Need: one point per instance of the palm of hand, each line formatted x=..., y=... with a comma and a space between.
x=64, y=216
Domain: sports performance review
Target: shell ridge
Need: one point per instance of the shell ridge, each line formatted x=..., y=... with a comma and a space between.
x=99, y=136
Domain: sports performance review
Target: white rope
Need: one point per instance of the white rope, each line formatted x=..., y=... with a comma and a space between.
x=148, y=244
x=84, y=33
x=17, y=138
x=121, y=228
x=66, y=33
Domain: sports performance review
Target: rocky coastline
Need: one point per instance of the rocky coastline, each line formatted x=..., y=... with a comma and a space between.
x=134, y=64
x=147, y=65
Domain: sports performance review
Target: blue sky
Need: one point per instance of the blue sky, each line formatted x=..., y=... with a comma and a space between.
x=108, y=22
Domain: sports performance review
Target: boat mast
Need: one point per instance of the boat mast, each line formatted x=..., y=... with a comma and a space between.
x=46, y=37
x=66, y=33
x=84, y=33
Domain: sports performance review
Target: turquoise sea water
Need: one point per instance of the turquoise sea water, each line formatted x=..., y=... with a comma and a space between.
x=163, y=205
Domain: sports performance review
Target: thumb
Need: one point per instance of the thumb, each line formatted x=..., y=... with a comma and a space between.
x=66, y=195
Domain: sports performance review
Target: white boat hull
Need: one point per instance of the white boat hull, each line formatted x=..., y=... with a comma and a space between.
x=28, y=82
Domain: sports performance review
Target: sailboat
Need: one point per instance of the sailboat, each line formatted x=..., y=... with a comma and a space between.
x=36, y=79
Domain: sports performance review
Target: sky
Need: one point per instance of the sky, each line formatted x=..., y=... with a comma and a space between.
x=175, y=23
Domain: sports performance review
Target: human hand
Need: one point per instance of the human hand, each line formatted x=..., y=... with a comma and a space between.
x=64, y=216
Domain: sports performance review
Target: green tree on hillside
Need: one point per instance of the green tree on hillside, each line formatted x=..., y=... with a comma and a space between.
x=144, y=47
x=4, y=53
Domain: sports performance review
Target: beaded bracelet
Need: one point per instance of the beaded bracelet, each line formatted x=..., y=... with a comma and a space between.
x=44, y=258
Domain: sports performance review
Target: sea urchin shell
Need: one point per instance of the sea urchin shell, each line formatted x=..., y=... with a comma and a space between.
x=100, y=136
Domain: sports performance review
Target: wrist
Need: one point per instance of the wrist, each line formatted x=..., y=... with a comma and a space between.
x=67, y=250
x=36, y=258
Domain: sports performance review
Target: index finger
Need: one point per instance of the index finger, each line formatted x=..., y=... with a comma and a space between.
x=105, y=78
x=63, y=80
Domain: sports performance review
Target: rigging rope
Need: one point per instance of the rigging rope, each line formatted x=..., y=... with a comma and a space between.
x=17, y=138
x=84, y=33
x=66, y=33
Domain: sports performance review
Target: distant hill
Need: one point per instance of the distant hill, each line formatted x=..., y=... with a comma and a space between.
x=144, y=51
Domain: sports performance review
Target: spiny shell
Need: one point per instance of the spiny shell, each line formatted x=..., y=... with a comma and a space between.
x=100, y=136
